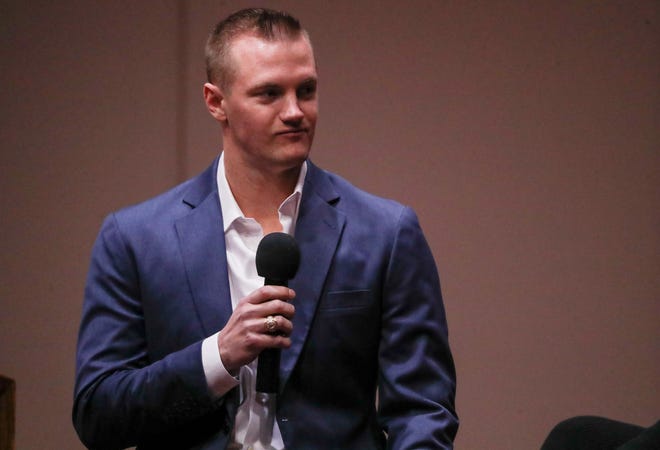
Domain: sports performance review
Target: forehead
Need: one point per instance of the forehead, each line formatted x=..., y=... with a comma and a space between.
x=257, y=61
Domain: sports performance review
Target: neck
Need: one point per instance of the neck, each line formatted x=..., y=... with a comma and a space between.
x=259, y=193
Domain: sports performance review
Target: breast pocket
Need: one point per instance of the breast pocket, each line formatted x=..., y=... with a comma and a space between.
x=347, y=328
x=346, y=302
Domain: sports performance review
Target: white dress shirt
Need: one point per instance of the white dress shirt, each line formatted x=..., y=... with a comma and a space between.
x=255, y=427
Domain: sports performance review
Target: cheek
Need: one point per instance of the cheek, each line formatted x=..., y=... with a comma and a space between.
x=311, y=112
x=250, y=122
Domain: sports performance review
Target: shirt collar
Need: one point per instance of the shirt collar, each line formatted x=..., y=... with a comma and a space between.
x=231, y=211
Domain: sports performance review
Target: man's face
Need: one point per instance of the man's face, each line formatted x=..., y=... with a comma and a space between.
x=270, y=106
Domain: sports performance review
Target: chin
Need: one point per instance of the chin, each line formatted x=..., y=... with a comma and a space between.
x=295, y=154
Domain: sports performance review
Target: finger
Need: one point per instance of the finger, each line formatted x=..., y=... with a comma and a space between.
x=267, y=293
x=276, y=308
x=280, y=341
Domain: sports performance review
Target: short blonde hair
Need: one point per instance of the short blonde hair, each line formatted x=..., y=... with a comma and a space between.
x=263, y=23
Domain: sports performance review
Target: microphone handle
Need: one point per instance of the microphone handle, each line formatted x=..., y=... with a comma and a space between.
x=268, y=366
x=268, y=371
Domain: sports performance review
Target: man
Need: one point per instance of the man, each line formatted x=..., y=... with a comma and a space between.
x=175, y=315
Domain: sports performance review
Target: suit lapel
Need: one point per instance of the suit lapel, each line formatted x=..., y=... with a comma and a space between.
x=202, y=245
x=318, y=231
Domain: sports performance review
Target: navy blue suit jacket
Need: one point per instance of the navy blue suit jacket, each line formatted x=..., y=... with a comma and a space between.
x=369, y=314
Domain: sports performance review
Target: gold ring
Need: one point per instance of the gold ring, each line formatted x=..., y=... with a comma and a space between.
x=271, y=324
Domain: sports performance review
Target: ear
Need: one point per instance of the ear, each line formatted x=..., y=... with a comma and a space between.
x=214, y=99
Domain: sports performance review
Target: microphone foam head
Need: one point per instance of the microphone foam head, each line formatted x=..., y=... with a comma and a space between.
x=278, y=257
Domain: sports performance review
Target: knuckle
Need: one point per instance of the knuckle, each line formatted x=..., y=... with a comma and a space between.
x=251, y=342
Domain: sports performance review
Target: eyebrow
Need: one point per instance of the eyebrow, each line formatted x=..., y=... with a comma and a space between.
x=310, y=80
x=264, y=86
x=267, y=85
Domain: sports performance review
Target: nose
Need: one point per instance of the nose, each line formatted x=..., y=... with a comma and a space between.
x=291, y=112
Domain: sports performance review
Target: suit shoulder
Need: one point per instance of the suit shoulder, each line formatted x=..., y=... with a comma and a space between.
x=356, y=200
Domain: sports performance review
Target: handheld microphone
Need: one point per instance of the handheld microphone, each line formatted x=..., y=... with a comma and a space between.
x=277, y=260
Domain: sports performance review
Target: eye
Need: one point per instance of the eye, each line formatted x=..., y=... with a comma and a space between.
x=268, y=93
x=272, y=93
x=307, y=91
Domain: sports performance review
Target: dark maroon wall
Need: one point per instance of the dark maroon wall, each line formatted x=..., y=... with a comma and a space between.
x=525, y=134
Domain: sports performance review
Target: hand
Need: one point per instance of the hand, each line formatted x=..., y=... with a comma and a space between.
x=245, y=334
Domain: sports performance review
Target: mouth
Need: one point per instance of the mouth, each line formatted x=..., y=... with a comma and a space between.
x=292, y=132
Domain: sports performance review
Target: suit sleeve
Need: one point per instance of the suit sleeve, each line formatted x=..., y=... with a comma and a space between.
x=121, y=397
x=417, y=381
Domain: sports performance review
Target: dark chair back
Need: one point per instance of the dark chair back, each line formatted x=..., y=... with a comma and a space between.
x=7, y=412
x=600, y=433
